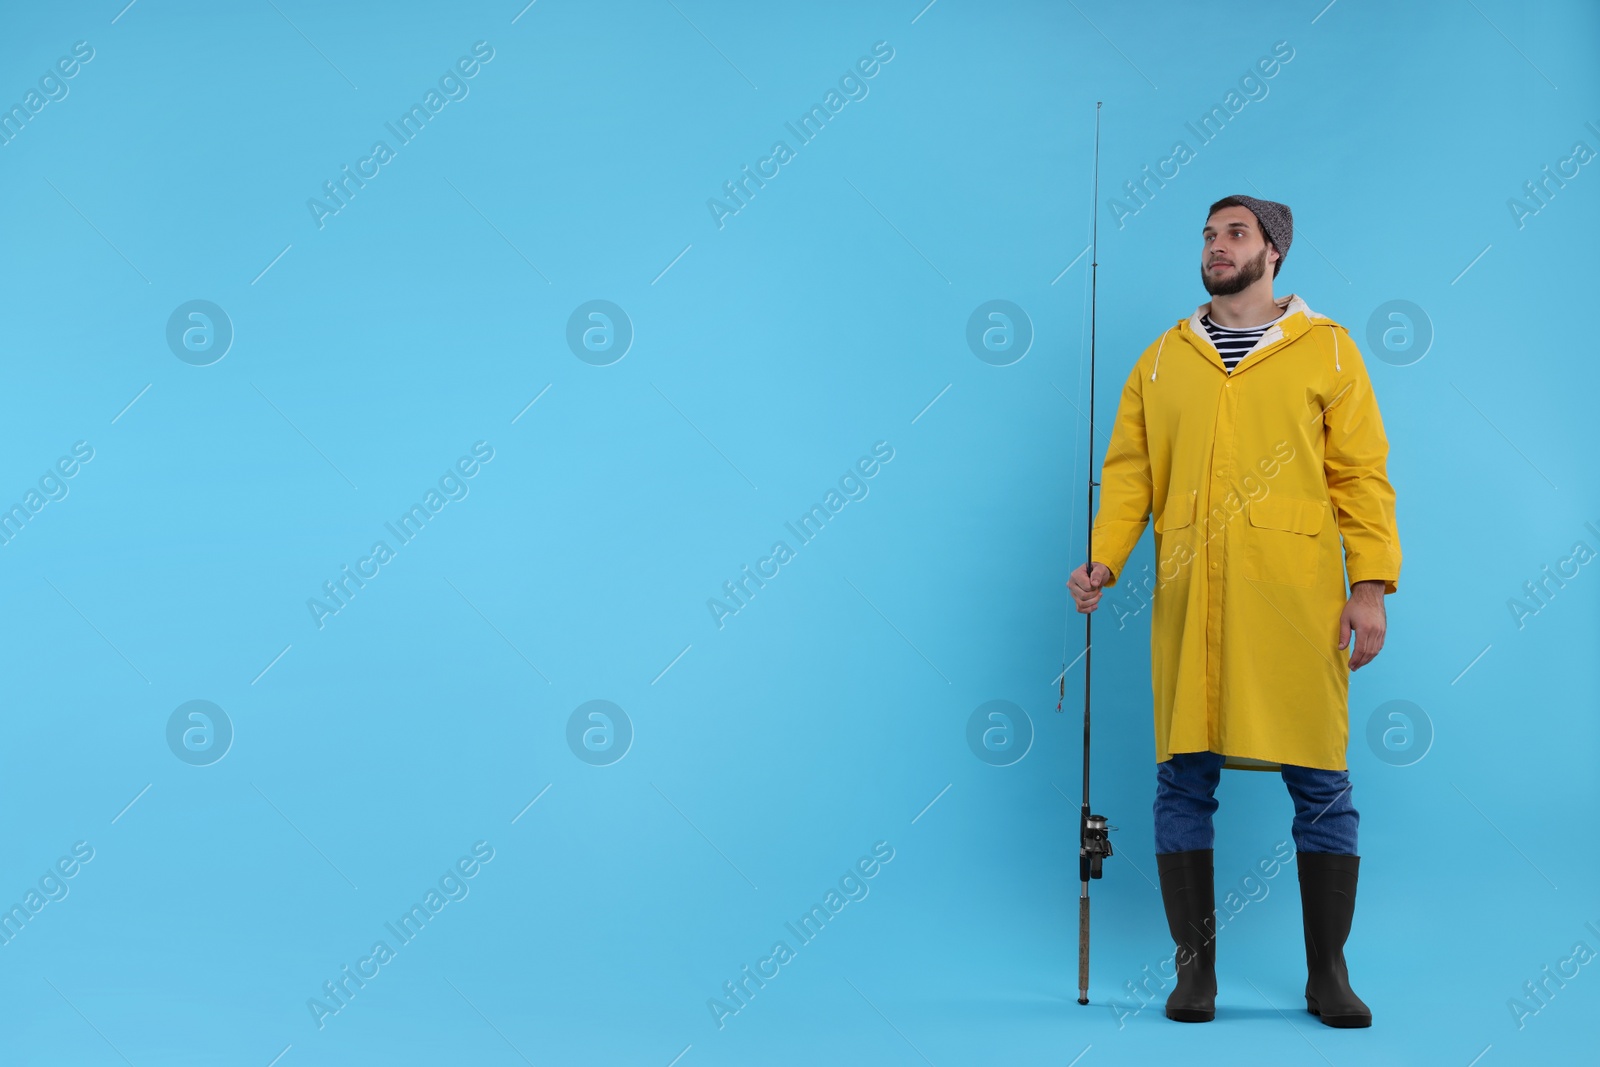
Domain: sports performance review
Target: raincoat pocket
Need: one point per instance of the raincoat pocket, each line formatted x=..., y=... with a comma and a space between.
x=1179, y=512
x=1281, y=543
x=1174, y=543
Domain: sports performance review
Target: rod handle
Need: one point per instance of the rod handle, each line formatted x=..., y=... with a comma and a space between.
x=1083, y=950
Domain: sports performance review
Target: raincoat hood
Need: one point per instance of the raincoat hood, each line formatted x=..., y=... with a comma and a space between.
x=1297, y=319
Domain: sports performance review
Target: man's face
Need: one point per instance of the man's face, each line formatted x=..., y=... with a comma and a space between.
x=1233, y=252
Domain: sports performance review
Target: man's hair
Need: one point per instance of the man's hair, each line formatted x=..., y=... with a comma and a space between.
x=1233, y=201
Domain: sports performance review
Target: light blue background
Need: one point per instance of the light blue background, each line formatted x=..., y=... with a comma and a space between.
x=769, y=354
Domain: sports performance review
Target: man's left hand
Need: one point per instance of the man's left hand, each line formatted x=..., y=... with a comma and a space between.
x=1364, y=613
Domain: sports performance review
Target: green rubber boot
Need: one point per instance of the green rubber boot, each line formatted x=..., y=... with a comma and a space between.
x=1189, y=896
x=1327, y=903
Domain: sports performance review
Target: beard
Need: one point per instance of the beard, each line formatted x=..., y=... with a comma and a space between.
x=1243, y=277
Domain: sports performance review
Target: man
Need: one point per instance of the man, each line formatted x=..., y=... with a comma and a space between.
x=1241, y=440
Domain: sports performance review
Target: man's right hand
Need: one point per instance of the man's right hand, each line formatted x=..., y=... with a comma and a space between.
x=1085, y=587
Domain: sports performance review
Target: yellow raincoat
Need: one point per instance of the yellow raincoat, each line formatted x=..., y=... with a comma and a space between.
x=1253, y=477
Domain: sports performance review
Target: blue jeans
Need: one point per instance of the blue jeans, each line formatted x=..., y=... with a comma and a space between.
x=1324, y=818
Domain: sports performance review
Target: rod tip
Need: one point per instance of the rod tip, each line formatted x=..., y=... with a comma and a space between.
x=1083, y=1000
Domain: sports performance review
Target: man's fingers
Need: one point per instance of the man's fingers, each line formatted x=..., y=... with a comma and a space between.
x=1363, y=650
x=1082, y=581
x=1086, y=585
x=1369, y=642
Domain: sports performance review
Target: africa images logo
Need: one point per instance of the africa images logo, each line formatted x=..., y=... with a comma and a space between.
x=452, y=86
x=453, y=485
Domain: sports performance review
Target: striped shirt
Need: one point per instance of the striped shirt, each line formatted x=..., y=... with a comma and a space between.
x=1232, y=344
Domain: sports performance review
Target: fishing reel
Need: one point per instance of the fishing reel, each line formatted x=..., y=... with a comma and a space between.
x=1094, y=845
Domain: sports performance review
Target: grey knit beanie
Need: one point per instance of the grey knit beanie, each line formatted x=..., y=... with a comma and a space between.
x=1276, y=220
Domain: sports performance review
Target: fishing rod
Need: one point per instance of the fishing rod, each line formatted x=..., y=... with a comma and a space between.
x=1094, y=844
